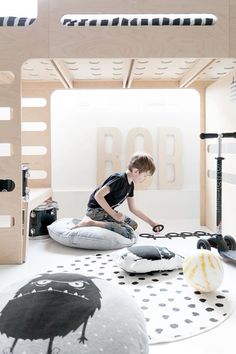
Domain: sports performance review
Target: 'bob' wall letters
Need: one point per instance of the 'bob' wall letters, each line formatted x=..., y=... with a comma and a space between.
x=168, y=157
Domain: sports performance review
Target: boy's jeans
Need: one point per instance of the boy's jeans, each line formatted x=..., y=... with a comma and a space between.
x=125, y=228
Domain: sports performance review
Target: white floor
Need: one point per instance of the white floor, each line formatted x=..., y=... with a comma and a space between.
x=43, y=254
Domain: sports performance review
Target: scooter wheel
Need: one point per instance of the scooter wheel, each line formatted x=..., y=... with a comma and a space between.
x=212, y=242
x=203, y=244
x=231, y=243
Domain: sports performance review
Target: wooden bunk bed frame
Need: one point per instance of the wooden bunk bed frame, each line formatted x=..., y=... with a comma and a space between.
x=47, y=38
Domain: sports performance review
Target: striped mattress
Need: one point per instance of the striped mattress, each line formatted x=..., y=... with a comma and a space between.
x=124, y=20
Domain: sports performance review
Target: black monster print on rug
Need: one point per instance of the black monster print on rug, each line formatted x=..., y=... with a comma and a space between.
x=70, y=313
x=173, y=310
x=38, y=302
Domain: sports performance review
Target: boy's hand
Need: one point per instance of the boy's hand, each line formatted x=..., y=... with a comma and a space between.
x=158, y=228
x=118, y=216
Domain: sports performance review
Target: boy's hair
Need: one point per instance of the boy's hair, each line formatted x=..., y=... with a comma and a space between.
x=143, y=162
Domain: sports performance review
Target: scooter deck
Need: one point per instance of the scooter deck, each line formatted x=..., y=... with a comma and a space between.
x=231, y=255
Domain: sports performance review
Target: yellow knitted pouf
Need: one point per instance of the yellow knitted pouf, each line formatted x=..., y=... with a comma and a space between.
x=203, y=270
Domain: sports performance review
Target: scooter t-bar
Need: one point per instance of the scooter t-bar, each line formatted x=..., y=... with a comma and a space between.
x=215, y=135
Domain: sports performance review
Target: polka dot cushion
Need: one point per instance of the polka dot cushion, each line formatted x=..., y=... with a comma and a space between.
x=70, y=313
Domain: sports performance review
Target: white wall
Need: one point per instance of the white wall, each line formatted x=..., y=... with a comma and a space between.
x=77, y=114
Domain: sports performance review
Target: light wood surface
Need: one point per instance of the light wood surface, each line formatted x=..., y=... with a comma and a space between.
x=106, y=156
x=147, y=147
x=133, y=43
x=36, y=197
x=47, y=38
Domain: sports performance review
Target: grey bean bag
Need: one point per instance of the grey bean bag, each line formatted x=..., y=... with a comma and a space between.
x=89, y=237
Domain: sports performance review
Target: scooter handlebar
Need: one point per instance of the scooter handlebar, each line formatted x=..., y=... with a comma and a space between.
x=215, y=135
x=229, y=135
x=208, y=135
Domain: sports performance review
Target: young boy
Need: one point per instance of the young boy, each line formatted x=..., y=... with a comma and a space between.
x=115, y=190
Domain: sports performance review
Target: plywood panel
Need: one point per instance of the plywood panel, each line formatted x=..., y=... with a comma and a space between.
x=11, y=238
x=25, y=42
x=7, y=199
x=46, y=38
x=84, y=84
x=33, y=115
x=10, y=244
x=8, y=92
x=8, y=168
x=8, y=131
x=232, y=28
x=155, y=84
x=38, y=138
x=35, y=138
x=201, y=88
x=160, y=41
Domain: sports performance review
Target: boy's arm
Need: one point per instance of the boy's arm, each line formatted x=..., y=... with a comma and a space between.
x=100, y=198
x=139, y=213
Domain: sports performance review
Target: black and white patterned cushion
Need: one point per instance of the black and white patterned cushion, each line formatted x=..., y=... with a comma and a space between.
x=147, y=258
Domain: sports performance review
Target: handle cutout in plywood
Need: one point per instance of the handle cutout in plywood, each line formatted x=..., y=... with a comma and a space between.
x=33, y=150
x=33, y=126
x=38, y=174
x=27, y=102
x=6, y=149
x=5, y=113
x=6, y=221
x=6, y=77
x=128, y=20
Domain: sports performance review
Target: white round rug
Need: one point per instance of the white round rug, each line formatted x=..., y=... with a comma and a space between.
x=173, y=309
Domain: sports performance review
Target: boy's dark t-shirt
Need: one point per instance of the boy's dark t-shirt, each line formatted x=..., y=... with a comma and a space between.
x=120, y=189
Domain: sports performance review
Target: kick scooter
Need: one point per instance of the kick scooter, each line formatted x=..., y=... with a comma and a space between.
x=226, y=245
